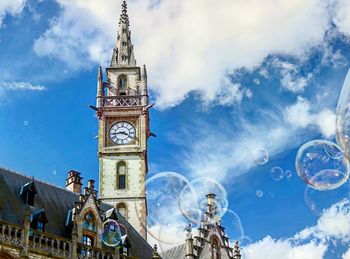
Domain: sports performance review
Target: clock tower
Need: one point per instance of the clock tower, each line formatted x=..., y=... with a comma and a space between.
x=123, y=130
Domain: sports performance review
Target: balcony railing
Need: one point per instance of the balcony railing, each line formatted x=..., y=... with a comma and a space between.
x=123, y=101
x=93, y=252
x=11, y=234
x=49, y=244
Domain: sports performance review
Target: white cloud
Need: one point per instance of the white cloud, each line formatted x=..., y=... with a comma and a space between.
x=19, y=86
x=185, y=45
x=283, y=249
x=342, y=17
x=311, y=242
x=346, y=255
x=299, y=115
x=10, y=7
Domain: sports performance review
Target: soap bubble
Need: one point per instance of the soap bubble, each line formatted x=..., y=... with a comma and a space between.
x=26, y=123
x=259, y=193
x=343, y=117
x=320, y=169
x=288, y=174
x=233, y=226
x=193, y=202
x=276, y=173
x=163, y=190
x=172, y=232
x=54, y=172
x=111, y=235
x=260, y=156
x=319, y=200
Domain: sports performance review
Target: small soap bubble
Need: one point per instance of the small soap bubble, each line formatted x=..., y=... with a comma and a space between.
x=259, y=193
x=54, y=172
x=288, y=174
x=320, y=170
x=111, y=235
x=276, y=173
x=261, y=156
x=26, y=123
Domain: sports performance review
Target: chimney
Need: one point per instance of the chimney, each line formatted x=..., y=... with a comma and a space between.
x=73, y=182
x=211, y=206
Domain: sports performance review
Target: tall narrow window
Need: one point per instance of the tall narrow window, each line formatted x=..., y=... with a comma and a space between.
x=40, y=226
x=121, y=175
x=121, y=207
x=88, y=241
x=89, y=222
x=215, y=249
x=122, y=85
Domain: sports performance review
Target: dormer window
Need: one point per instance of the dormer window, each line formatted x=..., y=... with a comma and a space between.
x=38, y=220
x=89, y=222
x=40, y=226
x=28, y=192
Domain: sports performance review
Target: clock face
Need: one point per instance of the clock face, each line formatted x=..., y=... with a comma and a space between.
x=122, y=133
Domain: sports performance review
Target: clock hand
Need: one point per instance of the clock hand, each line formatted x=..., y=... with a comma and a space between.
x=122, y=132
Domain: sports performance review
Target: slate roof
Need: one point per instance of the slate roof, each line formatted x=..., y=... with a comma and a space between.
x=56, y=202
x=176, y=252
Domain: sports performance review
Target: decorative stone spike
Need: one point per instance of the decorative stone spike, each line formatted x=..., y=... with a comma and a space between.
x=155, y=252
x=236, y=251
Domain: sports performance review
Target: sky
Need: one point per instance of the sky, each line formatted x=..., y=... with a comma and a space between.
x=229, y=78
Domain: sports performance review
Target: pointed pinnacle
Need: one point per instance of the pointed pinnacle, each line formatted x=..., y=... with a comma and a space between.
x=124, y=17
x=99, y=77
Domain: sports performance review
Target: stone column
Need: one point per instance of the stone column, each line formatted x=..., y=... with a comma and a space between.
x=25, y=233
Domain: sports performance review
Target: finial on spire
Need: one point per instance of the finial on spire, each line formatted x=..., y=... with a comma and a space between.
x=155, y=254
x=124, y=17
x=236, y=251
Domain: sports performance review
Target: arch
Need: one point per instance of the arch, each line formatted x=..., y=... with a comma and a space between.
x=89, y=221
x=122, y=83
x=122, y=209
x=121, y=175
x=216, y=247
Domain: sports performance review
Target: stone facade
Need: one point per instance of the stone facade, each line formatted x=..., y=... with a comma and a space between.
x=122, y=98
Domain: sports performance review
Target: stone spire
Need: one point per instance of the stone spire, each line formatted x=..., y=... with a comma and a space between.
x=123, y=52
x=236, y=251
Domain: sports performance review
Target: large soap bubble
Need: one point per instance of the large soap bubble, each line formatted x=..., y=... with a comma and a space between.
x=343, y=118
x=318, y=201
x=319, y=168
x=193, y=200
x=163, y=191
x=111, y=235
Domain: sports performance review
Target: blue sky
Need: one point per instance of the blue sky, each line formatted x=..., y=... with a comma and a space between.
x=269, y=78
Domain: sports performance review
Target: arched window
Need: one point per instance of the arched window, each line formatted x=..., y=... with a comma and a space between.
x=215, y=245
x=122, y=84
x=121, y=207
x=89, y=222
x=121, y=175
